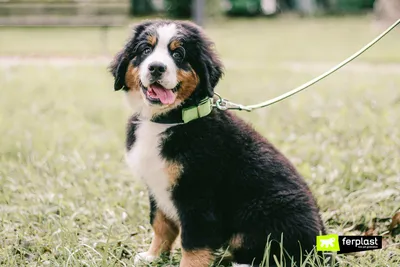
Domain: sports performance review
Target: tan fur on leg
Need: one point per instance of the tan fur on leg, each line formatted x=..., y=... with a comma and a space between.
x=196, y=258
x=165, y=233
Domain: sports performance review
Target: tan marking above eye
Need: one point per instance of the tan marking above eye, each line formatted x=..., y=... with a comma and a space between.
x=152, y=40
x=175, y=44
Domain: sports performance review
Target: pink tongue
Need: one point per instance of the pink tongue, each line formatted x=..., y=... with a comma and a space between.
x=166, y=96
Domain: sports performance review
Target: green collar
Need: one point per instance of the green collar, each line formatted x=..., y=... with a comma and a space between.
x=196, y=112
x=186, y=114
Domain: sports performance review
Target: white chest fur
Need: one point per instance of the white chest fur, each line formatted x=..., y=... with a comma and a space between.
x=146, y=163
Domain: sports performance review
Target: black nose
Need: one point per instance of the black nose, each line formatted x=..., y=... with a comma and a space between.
x=157, y=69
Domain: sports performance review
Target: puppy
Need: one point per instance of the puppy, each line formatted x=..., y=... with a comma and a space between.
x=211, y=177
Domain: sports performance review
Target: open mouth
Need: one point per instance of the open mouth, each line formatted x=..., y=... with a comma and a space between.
x=158, y=94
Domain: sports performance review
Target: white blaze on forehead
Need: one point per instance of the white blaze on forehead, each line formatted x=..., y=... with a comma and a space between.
x=165, y=34
x=161, y=54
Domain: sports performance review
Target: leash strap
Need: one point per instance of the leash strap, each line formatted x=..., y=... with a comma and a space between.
x=224, y=104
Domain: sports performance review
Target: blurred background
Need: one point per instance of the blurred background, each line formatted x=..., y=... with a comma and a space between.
x=66, y=195
x=114, y=12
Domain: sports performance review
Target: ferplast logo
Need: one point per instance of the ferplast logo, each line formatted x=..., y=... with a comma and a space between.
x=328, y=243
x=347, y=244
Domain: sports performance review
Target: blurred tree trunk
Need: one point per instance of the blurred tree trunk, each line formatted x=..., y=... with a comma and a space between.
x=387, y=10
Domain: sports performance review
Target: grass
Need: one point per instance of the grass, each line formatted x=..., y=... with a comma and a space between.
x=67, y=198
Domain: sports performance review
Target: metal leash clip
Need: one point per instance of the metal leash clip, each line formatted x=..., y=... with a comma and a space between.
x=224, y=104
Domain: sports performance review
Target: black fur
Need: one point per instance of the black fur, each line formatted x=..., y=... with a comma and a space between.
x=236, y=182
x=130, y=133
x=153, y=208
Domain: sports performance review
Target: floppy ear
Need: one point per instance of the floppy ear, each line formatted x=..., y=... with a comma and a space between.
x=211, y=67
x=212, y=70
x=118, y=69
x=119, y=65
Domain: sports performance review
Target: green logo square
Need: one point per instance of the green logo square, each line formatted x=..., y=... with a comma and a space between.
x=328, y=243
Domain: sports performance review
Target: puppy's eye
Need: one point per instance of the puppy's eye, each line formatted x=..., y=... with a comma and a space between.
x=177, y=56
x=147, y=51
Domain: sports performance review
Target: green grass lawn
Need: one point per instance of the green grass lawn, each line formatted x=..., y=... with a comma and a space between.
x=67, y=198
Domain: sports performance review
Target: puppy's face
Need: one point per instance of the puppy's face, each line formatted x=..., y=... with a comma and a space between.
x=162, y=67
x=165, y=64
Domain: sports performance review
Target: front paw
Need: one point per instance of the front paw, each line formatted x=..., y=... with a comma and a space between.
x=144, y=257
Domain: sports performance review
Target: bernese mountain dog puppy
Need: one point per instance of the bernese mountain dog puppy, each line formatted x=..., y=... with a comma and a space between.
x=211, y=177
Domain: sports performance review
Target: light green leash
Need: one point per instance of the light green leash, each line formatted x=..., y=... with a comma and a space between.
x=206, y=105
x=224, y=104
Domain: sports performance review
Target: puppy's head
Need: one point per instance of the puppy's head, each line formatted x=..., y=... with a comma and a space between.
x=166, y=64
